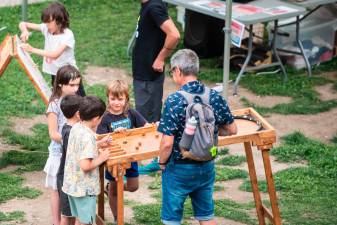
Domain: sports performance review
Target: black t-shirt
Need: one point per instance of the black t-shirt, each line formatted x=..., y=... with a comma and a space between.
x=110, y=121
x=149, y=39
x=65, y=136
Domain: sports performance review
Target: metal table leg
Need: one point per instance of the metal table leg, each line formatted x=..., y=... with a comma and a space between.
x=249, y=56
x=300, y=45
x=273, y=47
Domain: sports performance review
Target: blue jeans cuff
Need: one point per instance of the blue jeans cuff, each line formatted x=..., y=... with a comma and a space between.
x=167, y=222
x=204, y=218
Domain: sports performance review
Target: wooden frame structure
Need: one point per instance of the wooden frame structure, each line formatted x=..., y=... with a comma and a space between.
x=125, y=148
x=10, y=48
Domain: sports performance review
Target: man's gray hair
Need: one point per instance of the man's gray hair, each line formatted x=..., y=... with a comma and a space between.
x=187, y=61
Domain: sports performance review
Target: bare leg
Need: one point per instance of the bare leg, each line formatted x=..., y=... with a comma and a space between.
x=68, y=220
x=64, y=221
x=55, y=207
x=113, y=198
x=208, y=222
x=132, y=184
x=77, y=222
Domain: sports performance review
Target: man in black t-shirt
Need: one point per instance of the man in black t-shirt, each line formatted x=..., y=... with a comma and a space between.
x=156, y=37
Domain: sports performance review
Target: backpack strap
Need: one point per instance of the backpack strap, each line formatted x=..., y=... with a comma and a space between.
x=205, y=96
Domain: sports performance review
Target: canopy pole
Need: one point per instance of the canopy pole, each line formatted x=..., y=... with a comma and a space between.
x=227, y=44
x=24, y=10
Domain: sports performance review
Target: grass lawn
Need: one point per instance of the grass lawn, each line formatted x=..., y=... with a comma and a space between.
x=102, y=29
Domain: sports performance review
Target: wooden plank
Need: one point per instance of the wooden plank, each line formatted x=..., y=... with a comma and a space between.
x=32, y=71
x=6, y=52
x=245, y=132
x=271, y=187
x=258, y=117
x=268, y=214
x=132, y=158
x=254, y=182
x=100, y=201
x=120, y=195
x=130, y=132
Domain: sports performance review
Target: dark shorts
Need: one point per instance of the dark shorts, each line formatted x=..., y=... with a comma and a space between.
x=131, y=172
x=64, y=202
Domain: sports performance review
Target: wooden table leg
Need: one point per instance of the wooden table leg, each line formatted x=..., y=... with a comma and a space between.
x=253, y=180
x=120, y=195
x=271, y=187
x=100, y=213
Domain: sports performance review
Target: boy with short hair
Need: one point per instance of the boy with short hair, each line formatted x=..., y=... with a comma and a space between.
x=69, y=106
x=81, y=174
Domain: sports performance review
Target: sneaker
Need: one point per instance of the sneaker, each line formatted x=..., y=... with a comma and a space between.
x=153, y=166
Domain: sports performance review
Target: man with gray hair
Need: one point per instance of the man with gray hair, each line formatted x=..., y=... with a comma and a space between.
x=182, y=177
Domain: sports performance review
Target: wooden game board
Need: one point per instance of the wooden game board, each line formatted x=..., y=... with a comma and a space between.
x=10, y=48
x=31, y=70
x=133, y=145
x=143, y=143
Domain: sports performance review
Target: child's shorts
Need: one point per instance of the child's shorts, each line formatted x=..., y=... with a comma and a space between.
x=51, y=168
x=84, y=208
x=131, y=172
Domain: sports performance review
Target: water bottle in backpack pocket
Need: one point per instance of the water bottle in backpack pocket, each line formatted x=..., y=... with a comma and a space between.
x=188, y=135
x=203, y=142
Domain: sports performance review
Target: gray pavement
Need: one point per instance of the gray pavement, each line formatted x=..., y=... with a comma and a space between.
x=4, y=3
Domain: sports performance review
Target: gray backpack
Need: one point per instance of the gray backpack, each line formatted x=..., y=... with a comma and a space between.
x=203, y=147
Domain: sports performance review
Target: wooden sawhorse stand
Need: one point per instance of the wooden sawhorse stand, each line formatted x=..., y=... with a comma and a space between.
x=149, y=148
x=131, y=146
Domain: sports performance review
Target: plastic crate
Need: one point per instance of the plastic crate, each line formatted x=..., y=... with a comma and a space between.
x=317, y=33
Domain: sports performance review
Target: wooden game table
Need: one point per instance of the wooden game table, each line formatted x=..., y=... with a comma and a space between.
x=143, y=143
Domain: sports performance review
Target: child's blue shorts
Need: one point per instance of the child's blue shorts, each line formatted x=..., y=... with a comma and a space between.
x=131, y=172
x=84, y=208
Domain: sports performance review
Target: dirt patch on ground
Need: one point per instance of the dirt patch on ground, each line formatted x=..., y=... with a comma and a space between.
x=218, y=220
x=319, y=126
x=233, y=193
x=4, y=147
x=326, y=92
x=330, y=75
x=37, y=211
x=263, y=101
x=238, y=149
x=104, y=75
x=24, y=125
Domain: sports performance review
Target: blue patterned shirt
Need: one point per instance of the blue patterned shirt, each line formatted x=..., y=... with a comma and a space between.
x=172, y=120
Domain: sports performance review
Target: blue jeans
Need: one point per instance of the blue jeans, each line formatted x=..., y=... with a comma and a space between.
x=182, y=180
